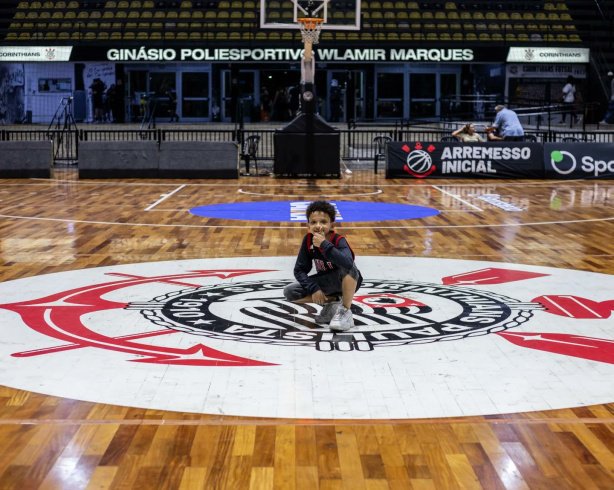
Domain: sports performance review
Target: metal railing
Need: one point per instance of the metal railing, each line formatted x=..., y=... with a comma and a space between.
x=356, y=144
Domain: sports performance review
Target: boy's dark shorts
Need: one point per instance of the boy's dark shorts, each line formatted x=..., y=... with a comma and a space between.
x=330, y=283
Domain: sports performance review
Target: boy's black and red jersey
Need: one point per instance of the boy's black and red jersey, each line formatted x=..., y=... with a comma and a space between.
x=329, y=256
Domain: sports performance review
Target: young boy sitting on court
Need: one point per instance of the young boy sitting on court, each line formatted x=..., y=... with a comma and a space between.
x=337, y=278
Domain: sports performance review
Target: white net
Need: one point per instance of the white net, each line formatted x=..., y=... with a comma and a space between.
x=310, y=29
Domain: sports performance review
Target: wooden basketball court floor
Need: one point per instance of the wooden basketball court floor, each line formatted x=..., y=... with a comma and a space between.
x=63, y=224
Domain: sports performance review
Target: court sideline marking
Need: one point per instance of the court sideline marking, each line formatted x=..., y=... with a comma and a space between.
x=457, y=198
x=164, y=196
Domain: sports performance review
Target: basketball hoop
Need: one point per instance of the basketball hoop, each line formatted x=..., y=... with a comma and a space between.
x=310, y=29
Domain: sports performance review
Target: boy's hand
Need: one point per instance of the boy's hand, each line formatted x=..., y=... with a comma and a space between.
x=318, y=238
x=319, y=298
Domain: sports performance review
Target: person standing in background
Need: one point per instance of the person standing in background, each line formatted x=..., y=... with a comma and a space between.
x=335, y=100
x=609, y=117
x=97, y=89
x=569, y=97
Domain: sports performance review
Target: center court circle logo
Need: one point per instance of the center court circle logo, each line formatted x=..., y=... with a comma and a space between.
x=563, y=162
x=385, y=313
x=216, y=336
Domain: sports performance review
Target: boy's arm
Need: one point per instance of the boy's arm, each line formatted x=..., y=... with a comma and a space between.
x=302, y=267
x=340, y=255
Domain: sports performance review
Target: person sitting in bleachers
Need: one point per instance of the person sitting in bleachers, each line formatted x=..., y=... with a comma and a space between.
x=467, y=134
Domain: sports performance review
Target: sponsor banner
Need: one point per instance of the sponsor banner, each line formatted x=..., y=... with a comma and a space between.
x=548, y=55
x=448, y=160
x=579, y=160
x=35, y=53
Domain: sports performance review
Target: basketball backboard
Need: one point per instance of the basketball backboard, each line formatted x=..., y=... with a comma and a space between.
x=337, y=15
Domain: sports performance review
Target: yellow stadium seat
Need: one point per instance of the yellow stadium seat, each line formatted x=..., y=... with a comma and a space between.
x=185, y=15
x=413, y=6
x=186, y=4
x=453, y=15
x=387, y=5
x=457, y=36
x=123, y=4
x=444, y=36
x=574, y=38
x=148, y=4
x=353, y=36
x=35, y=5
x=194, y=36
x=428, y=15
x=135, y=4
x=366, y=36
x=496, y=37
x=23, y=5
x=470, y=36
x=400, y=5
x=405, y=36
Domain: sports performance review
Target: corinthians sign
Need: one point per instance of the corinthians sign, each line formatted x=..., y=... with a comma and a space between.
x=384, y=314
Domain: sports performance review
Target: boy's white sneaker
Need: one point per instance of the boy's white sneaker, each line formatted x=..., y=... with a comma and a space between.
x=342, y=321
x=327, y=312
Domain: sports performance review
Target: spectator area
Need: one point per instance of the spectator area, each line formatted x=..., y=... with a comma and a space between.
x=176, y=20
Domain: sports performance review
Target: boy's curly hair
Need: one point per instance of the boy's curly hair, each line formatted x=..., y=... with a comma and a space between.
x=324, y=207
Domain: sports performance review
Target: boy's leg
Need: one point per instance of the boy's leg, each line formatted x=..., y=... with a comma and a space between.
x=343, y=320
x=348, y=288
x=294, y=292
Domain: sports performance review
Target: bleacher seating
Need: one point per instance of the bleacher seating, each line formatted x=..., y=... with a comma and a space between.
x=503, y=21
